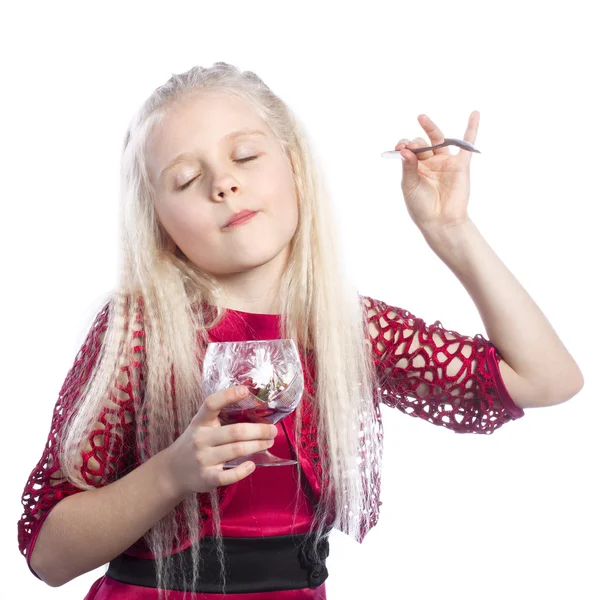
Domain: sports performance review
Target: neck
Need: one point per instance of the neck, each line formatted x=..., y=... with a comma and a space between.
x=255, y=290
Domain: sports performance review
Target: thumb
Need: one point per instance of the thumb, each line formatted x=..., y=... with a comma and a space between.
x=213, y=404
x=410, y=168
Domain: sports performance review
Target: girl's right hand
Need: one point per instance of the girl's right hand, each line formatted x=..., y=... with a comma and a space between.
x=196, y=457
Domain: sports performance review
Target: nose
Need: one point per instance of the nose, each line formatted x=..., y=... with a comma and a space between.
x=221, y=194
x=225, y=186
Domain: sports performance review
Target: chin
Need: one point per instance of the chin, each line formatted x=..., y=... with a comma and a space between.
x=259, y=257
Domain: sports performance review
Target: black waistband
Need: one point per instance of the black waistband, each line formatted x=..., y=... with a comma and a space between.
x=263, y=564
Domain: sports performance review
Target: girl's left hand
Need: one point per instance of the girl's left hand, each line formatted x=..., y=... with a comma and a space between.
x=435, y=183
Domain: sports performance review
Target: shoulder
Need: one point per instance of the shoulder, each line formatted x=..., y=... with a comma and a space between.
x=375, y=308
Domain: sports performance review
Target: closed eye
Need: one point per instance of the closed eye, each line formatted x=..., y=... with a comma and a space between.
x=241, y=160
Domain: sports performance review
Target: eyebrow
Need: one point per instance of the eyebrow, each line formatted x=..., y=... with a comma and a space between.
x=230, y=136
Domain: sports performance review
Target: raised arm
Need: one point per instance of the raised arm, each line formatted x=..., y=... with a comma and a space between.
x=426, y=371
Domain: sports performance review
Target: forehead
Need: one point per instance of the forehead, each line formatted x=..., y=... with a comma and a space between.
x=199, y=124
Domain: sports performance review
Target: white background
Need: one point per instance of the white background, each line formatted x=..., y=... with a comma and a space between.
x=512, y=515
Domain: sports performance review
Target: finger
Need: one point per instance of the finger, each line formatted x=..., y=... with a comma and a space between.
x=470, y=134
x=434, y=132
x=219, y=455
x=229, y=476
x=239, y=432
x=472, y=126
x=420, y=142
x=209, y=411
x=402, y=144
x=401, y=147
x=410, y=165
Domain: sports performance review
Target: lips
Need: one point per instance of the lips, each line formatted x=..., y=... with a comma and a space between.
x=241, y=217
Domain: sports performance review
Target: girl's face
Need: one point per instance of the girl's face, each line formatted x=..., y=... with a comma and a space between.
x=205, y=166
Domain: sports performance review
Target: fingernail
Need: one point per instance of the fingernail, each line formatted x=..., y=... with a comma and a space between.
x=274, y=429
x=241, y=390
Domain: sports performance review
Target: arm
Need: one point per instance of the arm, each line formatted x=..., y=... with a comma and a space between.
x=52, y=503
x=432, y=373
x=87, y=530
x=537, y=368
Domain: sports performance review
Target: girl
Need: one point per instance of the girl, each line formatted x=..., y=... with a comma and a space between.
x=132, y=473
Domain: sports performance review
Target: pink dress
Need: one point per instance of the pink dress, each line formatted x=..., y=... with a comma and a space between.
x=262, y=504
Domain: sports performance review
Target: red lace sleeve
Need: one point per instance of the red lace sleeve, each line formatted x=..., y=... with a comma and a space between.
x=46, y=485
x=437, y=374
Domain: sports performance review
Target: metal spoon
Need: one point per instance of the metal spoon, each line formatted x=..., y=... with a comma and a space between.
x=447, y=142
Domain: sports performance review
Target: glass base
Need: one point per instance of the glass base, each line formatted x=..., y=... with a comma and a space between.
x=261, y=459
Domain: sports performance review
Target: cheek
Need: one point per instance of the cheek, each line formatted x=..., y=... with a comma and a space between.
x=293, y=209
x=289, y=218
x=184, y=224
x=284, y=206
x=283, y=194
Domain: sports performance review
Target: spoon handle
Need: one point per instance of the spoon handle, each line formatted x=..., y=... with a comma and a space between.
x=444, y=143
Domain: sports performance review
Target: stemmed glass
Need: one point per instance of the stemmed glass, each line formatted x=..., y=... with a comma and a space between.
x=272, y=372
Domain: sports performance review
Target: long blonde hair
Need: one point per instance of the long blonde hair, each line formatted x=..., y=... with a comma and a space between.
x=158, y=287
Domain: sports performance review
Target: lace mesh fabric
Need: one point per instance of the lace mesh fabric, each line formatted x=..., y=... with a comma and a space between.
x=426, y=371
x=46, y=484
